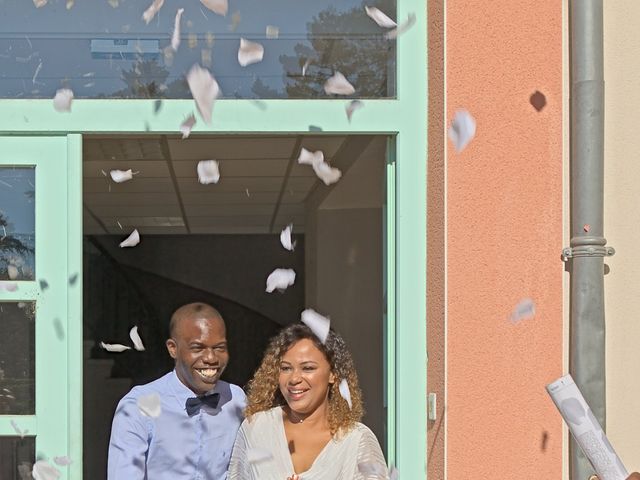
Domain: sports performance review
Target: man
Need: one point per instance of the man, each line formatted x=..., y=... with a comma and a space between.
x=194, y=433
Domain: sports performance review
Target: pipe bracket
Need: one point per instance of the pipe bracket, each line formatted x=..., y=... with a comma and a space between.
x=587, y=251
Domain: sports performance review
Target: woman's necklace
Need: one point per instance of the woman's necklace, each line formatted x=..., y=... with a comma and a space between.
x=293, y=419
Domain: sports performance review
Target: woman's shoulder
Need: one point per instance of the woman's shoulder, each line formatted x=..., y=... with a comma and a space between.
x=263, y=419
x=358, y=434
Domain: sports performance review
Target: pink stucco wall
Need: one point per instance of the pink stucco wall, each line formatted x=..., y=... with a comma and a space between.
x=504, y=238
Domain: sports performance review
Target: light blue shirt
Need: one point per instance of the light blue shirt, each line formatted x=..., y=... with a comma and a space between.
x=174, y=446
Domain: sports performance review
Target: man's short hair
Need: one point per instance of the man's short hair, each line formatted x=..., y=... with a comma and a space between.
x=192, y=311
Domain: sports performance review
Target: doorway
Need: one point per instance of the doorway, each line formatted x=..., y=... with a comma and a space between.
x=217, y=243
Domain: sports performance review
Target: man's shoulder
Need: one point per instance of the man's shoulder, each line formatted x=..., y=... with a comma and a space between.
x=159, y=386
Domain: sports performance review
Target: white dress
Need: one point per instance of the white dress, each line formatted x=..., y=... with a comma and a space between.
x=338, y=460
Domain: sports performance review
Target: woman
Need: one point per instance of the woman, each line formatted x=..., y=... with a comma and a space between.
x=298, y=424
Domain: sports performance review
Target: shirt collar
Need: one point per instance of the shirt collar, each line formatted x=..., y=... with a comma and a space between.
x=182, y=392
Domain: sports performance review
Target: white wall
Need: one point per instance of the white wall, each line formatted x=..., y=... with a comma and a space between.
x=622, y=225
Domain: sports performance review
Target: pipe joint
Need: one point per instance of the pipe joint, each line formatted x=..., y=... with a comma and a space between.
x=587, y=251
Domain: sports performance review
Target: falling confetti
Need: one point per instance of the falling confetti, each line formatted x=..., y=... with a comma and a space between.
x=18, y=430
x=44, y=285
x=150, y=12
x=318, y=324
x=204, y=90
x=393, y=473
x=345, y=392
x=305, y=66
x=272, y=32
x=249, y=52
x=40, y=3
x=537, y=100
x=187, y=126
x=70, y=4
x=42, y=470
x=285, y=237
x=338, y=85
x=119, y=224
x=73, y=278
x=132, y=240
x=120, y=176
x=236, y=18
x=217, y=6
x=323, y=170
x=380, y=18
x=280, y=279
x=524, y=310
x=352, y=106
x=12, y=270
x=208, y=171
x=150, y=405
x=462, y=129
x=62, y=100
x=9, y=287
x=586, y=227
x=258, y=455
x=411, y=20
x=175, y=38
x=135, y=338
x=62, y=461
x=114, y=347
x=35, y=75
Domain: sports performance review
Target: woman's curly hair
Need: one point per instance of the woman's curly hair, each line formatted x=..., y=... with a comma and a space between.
x=264, y=391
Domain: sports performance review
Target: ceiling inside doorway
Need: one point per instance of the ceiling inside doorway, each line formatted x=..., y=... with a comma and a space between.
x=261, y=189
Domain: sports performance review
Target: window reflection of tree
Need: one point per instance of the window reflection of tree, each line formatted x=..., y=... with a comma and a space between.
x=11, y=247
x=365, y=58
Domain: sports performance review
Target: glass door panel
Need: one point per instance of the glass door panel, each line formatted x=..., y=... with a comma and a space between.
x=33, y=303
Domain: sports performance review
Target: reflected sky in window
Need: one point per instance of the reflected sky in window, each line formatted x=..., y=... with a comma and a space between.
x=104, y=49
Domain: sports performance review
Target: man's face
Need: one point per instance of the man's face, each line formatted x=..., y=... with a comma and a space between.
x=199, y=347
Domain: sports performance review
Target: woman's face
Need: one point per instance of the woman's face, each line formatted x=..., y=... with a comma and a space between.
x=305, y=377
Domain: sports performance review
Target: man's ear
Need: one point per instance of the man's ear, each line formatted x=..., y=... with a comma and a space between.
x=172, y=348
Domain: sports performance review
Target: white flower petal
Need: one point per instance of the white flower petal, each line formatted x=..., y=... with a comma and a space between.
x=12, y=270
x=391, y=34
x=258, y=455
x=132, y=240
x=249, y=52
x=8, y=286
x=17, y=429
x=135, y=338
x=373, y=469
x=462, y=129
x=345, y=392
x=42, y=470
x=338, y=85
x=120, y=176
x=62, y=100
x=40, y=3
x=305, y=66
x=208, y=171
x=217, y=6
x=307, y=157
x=204, y=90
x=187, y=125
x=114, y=347
x=379, y=17
x=285, y=237
x=280, y=279
x=150, y=405
x=62, y=461
x=175, y=38
x=524, y=310
x=150, y=12
x=352, y=106
x=318, y=324
x=272, y=31
x=327, y=173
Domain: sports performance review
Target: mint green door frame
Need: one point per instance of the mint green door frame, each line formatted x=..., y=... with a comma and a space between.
x=403, y=118
x=58, y=357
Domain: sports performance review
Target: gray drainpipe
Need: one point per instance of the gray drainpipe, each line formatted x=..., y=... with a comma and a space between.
x=587, y=251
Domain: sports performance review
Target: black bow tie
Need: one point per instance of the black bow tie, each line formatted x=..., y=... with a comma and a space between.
x=194, y=404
